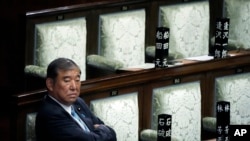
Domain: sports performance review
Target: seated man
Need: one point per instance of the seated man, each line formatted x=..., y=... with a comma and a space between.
x=56, y=117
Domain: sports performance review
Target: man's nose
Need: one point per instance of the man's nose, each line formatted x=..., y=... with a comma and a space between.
x=73, y=85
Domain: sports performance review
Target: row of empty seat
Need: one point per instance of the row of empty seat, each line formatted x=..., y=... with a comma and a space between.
x=121, y=38
x=124, y=34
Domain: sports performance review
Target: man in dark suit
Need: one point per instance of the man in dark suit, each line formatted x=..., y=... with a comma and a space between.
x=55, y=121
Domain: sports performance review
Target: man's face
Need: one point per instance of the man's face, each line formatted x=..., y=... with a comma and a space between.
x=66, y=87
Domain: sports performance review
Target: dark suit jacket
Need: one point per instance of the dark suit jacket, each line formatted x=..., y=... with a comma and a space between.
x=53, y=123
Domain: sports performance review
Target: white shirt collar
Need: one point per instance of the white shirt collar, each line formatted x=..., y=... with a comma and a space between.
x=65, y=107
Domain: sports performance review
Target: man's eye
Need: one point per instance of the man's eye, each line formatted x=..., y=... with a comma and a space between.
x=66, y=80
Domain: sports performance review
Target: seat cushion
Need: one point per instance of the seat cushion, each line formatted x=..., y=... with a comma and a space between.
x=121, y=113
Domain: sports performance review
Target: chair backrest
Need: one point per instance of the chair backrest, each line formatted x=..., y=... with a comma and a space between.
x=64, y=38
x=183, y=102
x=189, y=28
x=122, y=37
x=238, y=13
x=236, y=90
x=30, y=126
x=121, y=113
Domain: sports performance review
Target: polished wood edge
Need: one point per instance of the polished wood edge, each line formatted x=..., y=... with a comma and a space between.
x=85, y=6
x=140, y=77
x=135, y=77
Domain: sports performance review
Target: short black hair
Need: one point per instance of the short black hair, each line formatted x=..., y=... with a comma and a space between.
x=60, y=64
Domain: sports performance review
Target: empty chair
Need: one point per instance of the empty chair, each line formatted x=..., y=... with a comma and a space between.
x=234, y=89
x=64, y=38
x=189, y=28
x=121, y=41
x=183, y=102
x=121, y=113
x=238, y=13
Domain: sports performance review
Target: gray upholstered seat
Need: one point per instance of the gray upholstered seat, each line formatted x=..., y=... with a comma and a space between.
x=238, y=13
x=189, y=28
x=121, y=41
x=64, y=38
x=183, y=102
x=30, y=127
x=234, y=89
x=121, y=113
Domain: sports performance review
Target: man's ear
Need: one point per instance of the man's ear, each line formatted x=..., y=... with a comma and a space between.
x=49, y=84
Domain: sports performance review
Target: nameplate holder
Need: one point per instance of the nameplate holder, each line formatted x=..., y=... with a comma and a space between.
x=162, y=47
x=221, y=38
x=222, y=120
x=164, y=127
